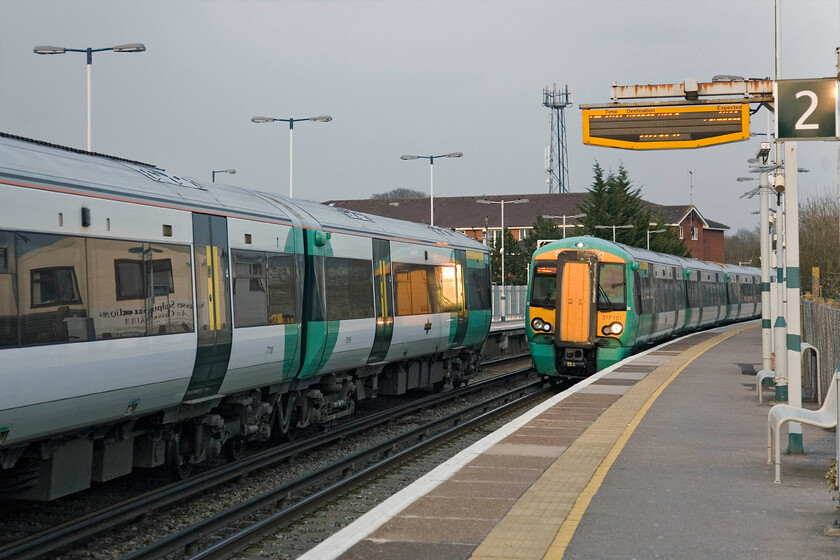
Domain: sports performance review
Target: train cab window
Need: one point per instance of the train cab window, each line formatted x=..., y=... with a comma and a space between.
x=611, y=287
x=544, y=287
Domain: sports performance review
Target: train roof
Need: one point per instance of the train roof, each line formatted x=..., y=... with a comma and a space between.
x=628, y=252
x=31, y=163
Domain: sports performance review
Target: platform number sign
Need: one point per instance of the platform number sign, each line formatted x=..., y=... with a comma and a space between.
x=806, y=109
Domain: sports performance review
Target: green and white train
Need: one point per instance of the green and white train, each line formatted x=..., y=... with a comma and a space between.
x=148, y=319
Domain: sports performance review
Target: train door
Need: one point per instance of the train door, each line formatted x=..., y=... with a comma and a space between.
x=577, y=284
x=383, y=300
x=213, y=321
x=462, y=315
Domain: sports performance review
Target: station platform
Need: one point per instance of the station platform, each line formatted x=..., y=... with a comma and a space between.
x=660, y=456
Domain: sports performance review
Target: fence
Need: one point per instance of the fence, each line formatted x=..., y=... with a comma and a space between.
x=821, y=328
x=513, y=305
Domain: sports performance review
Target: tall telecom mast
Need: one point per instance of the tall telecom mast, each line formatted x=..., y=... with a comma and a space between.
x=556, y=164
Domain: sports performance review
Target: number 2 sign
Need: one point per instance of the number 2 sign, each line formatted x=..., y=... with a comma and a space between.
x=806, y=109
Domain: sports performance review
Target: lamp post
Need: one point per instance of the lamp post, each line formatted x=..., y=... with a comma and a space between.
x=127, y=48
x=575, y=216
x=432, y=177
x=321, y=118
x=625, y=226
x=768, y=306
x=502, y=204
x=648, y=235
x=231, y=171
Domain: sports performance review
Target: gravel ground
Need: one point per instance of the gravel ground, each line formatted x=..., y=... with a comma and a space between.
x=299, y=537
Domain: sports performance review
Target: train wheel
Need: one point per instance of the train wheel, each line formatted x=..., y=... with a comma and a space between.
x=178, y=456
x=234, y=449
x=287, y=417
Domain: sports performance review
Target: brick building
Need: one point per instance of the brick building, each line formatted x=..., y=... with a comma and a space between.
x=702, y=236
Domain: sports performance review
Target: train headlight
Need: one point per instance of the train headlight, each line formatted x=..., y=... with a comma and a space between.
x=539, y=325
x=614, y=329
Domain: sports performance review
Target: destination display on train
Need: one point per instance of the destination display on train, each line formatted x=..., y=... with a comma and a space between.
x=658, y=128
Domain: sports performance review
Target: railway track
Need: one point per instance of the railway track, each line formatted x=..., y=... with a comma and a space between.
x=92, y=526
x=303, y=496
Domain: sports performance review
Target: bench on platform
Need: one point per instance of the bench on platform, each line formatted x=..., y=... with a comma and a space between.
x=769, y=374
x=825, y=417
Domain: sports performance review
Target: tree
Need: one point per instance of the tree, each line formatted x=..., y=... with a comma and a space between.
x=819, y=245
x=516, y=261
x=399, y=193
x=614, y=201
x=744, y=246
x=543, y=228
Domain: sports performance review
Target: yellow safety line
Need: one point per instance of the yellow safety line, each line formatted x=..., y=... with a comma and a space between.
x=564, y=536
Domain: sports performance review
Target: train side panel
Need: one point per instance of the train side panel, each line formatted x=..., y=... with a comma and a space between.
x=124, y=346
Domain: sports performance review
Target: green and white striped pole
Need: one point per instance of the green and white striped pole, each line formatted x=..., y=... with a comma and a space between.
x=794, y=323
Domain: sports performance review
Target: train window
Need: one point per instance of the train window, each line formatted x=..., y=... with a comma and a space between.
x=349, y=288
x=479, y=288
x=250, y=304
x=50, y=283
x=544, y=287
x=282, y=289
x=611, y=287
x=80, y=289
x=415, y=286
x=450, y=283
x=264, y=288
x=8, y=301
x=138, y=289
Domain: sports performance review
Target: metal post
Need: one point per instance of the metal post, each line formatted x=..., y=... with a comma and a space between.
x=764, y=235
x=432, y=196
x=503, y=302
x=780, y=326
x=792, y=287
x=89, y=67
x=291, y=130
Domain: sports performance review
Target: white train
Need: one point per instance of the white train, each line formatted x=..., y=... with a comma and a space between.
x=148, y=319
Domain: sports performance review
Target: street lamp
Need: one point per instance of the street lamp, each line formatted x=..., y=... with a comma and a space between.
x=626, y=226
x=575, y=216
x=432, y=175
x=321, y=118
x=502, y=203
x=127, y=48
x=231, y=171
x=648, y=235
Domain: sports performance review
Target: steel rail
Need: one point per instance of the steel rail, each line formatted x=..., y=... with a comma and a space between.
x=344, y=468
x=66, y=534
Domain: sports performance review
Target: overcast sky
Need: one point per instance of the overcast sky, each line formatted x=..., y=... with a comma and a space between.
x=400, y=78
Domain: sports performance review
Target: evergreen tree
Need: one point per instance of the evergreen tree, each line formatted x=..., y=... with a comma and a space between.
x=516, y=261
x=614, y=201
x=543, y=228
